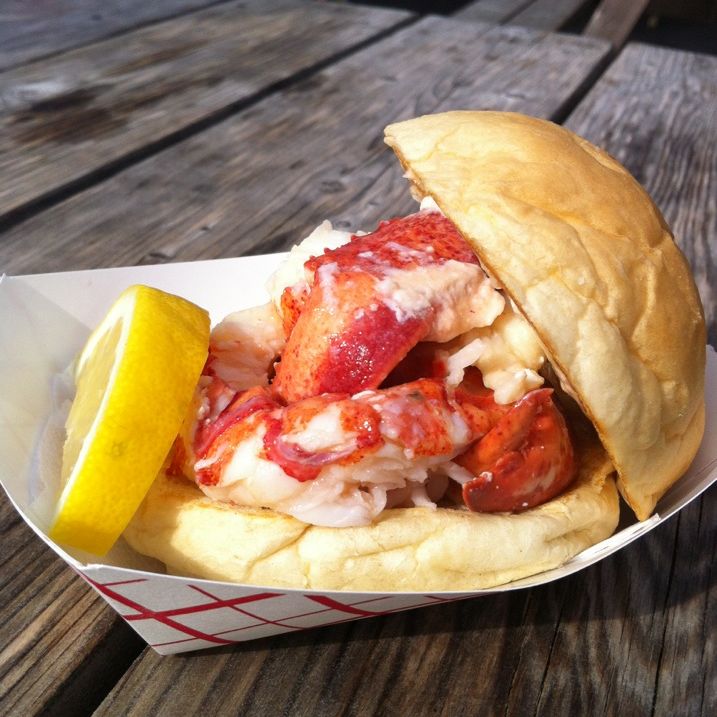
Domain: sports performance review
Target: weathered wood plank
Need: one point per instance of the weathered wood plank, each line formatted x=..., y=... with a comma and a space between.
x=655, y=110
x=29, y=30
x=613, y=20
x=548, y=14
x=491, y=11
x=52, y=622
x=610, y=645
x=260, y=181
x=72, y=115
x=687, y=667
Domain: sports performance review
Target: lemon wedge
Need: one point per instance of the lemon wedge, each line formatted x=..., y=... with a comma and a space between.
x=135, y=380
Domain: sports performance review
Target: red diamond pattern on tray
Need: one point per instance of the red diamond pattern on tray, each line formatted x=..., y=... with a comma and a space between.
x=175, y=616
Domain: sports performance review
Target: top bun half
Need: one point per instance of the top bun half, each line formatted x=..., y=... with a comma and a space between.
x=585, y=254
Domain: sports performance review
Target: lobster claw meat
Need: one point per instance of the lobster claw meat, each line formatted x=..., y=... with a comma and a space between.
x=524, y=460
x=372, y=300
x=346, y=352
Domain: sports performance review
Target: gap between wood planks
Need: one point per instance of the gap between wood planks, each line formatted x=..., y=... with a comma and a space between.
x=63, y=192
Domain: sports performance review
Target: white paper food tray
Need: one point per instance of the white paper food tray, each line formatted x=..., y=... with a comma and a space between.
x=45, y=320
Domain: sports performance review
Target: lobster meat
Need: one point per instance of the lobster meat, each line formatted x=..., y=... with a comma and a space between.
x=369, y=302
x=360, y=415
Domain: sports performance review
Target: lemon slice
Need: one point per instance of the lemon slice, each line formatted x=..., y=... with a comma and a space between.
x=135, y=380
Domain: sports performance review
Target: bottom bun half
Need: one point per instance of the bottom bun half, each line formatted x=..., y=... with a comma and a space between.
x=406, y=549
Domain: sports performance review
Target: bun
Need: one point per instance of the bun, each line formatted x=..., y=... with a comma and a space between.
x=587, y=257
x=404, y=550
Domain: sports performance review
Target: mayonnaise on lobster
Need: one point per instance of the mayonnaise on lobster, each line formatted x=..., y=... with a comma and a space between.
x=387, y=371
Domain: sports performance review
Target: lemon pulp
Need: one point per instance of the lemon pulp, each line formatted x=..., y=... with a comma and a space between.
x=135, y=380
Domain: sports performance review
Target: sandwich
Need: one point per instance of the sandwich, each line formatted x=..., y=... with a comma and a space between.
x=454, y=400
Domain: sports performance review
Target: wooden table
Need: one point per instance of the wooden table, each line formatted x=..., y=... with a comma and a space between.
x=136, y=132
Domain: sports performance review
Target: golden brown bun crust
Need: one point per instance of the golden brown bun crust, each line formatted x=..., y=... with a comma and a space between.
x=586, y=255
x=405, y=550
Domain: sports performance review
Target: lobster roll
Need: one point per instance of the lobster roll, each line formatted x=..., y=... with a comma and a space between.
x=453, y=400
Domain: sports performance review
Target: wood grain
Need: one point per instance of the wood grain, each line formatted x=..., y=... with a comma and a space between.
x=52, y=621
x=75, y=114
x=655, y=111
x=261, y=181
x=29, y=30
